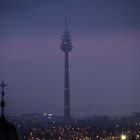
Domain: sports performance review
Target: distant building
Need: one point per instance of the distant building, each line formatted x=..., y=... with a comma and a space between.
x=136, y=115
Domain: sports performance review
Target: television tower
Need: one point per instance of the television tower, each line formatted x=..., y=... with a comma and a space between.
x=66, y=47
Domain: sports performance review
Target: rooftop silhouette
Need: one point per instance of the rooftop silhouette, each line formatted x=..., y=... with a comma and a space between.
x=7, y=130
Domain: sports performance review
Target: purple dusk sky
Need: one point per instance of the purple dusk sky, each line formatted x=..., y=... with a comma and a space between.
x=104, y=62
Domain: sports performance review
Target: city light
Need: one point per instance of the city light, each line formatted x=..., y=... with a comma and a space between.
x=123, y=137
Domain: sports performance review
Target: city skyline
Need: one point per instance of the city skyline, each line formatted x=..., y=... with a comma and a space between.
x=105, y=63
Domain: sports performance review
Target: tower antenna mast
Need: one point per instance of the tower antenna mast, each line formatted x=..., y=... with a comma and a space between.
x=3, y=85
x=66, y=21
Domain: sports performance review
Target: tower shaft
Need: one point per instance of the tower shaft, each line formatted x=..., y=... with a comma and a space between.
x=67, y=89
